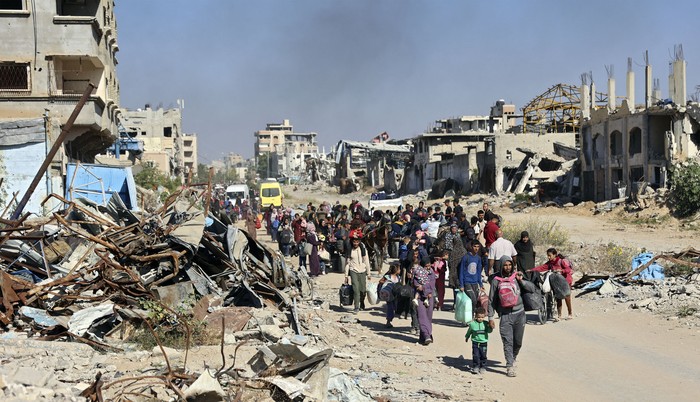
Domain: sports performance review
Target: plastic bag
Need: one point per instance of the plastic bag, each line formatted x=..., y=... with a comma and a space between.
x=546, y=287
x=560, y=286
x=372, y=293
x=463, y=308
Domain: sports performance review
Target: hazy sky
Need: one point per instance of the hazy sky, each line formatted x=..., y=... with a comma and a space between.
x=351, y=69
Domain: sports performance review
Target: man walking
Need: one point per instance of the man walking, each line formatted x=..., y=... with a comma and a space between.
x=357, y=269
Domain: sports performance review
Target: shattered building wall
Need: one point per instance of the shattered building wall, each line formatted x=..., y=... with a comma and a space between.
x=368, y=162
x=162, y=136
x=507, y=157
x=286, y=150
x=624, y=148
x=626, y=145
x=77, y=44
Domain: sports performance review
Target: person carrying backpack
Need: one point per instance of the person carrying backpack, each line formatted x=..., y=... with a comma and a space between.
x=504, y=298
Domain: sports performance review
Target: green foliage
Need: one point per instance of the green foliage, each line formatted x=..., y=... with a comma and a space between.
x=263, y=165
x=616, y=259
x=542, y=233
x=686, y=189
x=151, y=178
x=523, y=197
x=679, y=270
x=686, y=311
x=170, y=327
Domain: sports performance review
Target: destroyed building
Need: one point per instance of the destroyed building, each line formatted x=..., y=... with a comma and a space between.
x=377, y=164
x=50, y=53
x=630, y=144
x=166, y=146
x=283, y=152
x=487, y=153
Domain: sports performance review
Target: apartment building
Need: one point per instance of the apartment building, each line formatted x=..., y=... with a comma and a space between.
x=50, y=51
x=163, y=139
x=284, y=150
x=189, y=153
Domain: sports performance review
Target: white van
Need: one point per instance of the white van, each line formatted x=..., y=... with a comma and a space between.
x=238, y=190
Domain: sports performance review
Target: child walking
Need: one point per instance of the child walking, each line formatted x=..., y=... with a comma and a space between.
x=479, y=330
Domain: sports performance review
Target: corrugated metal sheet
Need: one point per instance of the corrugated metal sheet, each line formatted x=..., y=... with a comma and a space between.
x=98, y=182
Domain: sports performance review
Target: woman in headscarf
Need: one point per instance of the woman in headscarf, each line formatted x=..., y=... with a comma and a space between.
x=312, y=238
x=424, y=312
x=526, y=252
x=250, y=223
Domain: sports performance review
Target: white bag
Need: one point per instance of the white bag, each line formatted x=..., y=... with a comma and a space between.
x=372, y=295
x=546, y=287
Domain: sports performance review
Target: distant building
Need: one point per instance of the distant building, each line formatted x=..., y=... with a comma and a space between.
x=631, y=144
x=189, y=153
x=50, y=52
x=162, y=136
x=285, y=150
x=481, y=153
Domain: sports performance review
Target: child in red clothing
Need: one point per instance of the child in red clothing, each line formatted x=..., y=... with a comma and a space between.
x=557, y=263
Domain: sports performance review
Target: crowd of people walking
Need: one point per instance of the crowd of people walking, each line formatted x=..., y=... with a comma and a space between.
x=435, y=247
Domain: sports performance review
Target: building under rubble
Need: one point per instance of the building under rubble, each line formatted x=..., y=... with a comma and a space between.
x=375, y=163
x=624, y=146
x=50, y=51
x=492, y=153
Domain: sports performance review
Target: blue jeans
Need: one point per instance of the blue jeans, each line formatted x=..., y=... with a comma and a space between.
x=479, y=354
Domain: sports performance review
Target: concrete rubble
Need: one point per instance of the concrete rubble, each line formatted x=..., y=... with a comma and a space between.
x=676, y=295
x=94, y=275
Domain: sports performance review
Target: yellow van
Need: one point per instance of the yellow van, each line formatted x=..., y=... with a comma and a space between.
x=270, y=193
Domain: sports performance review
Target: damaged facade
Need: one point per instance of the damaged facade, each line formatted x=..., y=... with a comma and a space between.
x=372, y=163
x=484, y=153
x=628, y=145
x=166, y=146
x=49, y=54
x=285, y=151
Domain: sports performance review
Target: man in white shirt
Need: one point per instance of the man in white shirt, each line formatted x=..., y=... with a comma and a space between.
x=498, y=249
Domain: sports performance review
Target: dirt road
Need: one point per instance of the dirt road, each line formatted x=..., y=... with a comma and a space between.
x=617, y=355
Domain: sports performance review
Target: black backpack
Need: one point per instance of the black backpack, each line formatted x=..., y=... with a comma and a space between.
x=286, y=236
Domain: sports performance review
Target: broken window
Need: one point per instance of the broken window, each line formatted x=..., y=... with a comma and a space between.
x=616, y=175
x=14, y=76
x=80, y=8
x=615, y=143
x=637, y=173
x=597, y=146
x=11, y=4
x=635, y=141
x=167, y=132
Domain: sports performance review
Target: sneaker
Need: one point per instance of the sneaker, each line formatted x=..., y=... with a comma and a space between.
x=426, y=303
x=482, y=370
x=414, y=331
x=427, y=341
x=511, y=372
x=388, y=325
x=415, y=302
x=475, y=370
x=355, y=311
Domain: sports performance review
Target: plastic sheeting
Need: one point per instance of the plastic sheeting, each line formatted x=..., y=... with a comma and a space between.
x=652, y=272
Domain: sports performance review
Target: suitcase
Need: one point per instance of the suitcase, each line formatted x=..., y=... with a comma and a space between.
x=346, y=295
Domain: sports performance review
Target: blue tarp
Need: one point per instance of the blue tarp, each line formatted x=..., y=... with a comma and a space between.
x=98, y=182
x=653, y=271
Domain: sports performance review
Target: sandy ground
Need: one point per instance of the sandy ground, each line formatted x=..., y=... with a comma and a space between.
x=607, y=352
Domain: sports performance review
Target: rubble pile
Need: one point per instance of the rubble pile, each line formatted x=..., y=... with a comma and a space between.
x=675, y=294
